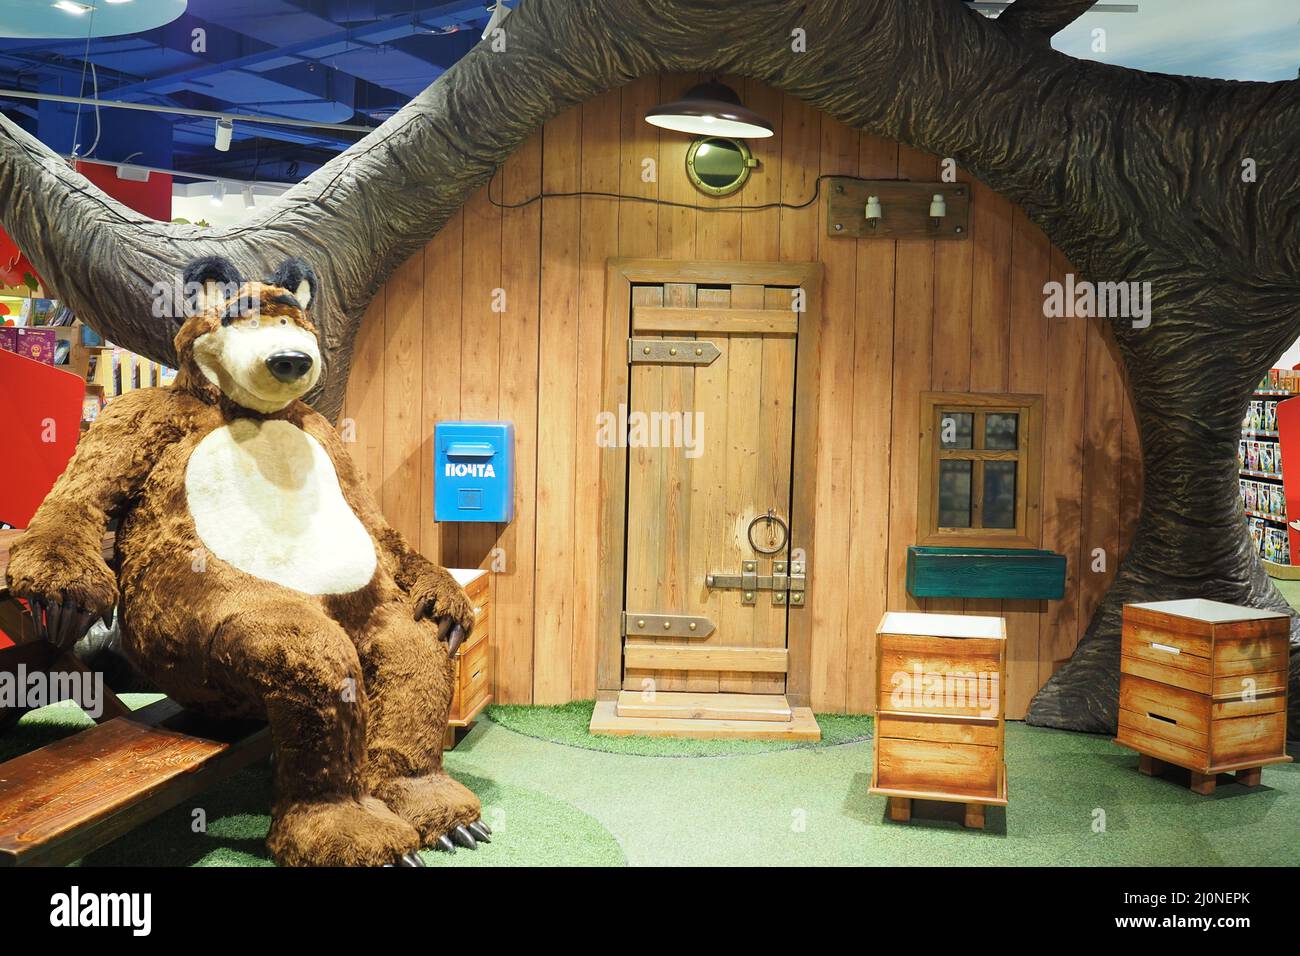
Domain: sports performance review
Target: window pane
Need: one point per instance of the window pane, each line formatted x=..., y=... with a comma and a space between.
x=954, y=494
x=955, y=429
x=1001, y=431
x=999, y=494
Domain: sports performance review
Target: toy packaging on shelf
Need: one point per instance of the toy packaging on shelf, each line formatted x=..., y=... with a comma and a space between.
x=1271, y=423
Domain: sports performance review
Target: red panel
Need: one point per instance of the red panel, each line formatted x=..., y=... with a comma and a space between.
x=39, y=428
x=153, y=198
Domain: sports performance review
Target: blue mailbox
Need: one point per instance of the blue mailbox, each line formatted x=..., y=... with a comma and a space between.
x=474, y=471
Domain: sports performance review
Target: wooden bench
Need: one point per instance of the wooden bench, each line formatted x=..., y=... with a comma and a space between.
x=75, y=795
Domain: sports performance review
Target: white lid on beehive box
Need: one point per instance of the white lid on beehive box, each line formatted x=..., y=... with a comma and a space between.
x=920, y=623
x=1211, y=612
x=464, y=576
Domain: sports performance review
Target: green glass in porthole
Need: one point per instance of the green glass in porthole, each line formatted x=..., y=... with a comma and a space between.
x=719, y=166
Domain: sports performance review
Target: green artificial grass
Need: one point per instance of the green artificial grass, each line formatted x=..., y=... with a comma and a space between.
x=1075, y=799
x=227, y=825
x=567, y=724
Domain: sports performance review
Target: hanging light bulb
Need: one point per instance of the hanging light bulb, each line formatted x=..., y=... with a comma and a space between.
x=710, y=109
x=218, y=193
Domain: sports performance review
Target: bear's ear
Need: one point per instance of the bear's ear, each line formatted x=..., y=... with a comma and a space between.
x=210, y=281
x=296, y=278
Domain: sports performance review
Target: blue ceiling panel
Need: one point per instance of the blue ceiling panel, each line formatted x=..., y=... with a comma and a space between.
x=320, y=61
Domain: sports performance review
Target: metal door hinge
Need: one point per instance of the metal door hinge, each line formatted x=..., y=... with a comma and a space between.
x=788, y=582
x=671, y=352
x=666, y=625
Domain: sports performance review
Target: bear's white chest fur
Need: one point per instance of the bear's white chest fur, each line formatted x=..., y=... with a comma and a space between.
x=265, y=498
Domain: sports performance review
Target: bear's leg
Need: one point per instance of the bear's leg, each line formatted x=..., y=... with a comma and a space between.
x=306, y=672
x=408, y=683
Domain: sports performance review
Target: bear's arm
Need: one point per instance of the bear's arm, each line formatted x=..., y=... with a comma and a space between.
x=60, y=557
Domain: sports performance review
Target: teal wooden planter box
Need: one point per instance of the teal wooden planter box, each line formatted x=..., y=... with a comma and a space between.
x=1019, y=573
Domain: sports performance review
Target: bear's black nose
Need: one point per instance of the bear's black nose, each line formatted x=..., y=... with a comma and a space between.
x=289, y=366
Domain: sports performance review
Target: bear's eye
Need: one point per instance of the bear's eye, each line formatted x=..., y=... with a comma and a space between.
x=284, y=321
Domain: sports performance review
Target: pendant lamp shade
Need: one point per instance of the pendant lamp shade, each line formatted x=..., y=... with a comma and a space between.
x=710, y=109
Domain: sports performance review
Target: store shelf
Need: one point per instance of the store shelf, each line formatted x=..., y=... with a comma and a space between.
x=1266, y=516
x=1246, y=472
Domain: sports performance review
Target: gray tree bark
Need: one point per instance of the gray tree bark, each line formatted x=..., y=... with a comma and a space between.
x=1136, y=177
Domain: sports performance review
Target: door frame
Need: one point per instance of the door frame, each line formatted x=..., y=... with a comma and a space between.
x=620, y=275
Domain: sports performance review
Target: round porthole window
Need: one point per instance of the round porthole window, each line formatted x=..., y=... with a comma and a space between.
x=719, y=166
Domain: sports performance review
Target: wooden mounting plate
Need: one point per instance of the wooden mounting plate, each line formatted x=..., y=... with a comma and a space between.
x=905, y=209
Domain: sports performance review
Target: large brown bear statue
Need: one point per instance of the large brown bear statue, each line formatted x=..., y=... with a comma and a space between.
x=258, y=579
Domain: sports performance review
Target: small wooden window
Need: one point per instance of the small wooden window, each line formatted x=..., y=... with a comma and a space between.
x=980, y=470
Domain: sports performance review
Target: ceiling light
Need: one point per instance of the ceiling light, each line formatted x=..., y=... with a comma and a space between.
x=710, y=109
x=225, y=130
x=134, y=174
x=499, y=13
x=71, y=6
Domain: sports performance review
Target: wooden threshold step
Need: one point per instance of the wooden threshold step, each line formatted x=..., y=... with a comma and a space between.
x=606, y=720
x=686, y=706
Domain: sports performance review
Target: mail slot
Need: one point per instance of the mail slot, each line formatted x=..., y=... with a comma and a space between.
x=474, y=471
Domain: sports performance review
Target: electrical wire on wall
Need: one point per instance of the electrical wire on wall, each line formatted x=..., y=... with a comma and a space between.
x=593, y=194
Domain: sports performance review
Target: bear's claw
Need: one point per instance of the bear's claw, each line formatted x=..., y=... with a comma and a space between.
x=462, y=837
x=444, y=844
x=412, y=859
x=480, y=831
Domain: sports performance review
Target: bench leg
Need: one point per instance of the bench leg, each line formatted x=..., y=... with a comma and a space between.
x=974, y=816
x=1149, y=765
x=1203, y=783
x=1249, y=777
x=900, y=809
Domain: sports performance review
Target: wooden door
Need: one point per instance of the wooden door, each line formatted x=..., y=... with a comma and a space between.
x=710, y=420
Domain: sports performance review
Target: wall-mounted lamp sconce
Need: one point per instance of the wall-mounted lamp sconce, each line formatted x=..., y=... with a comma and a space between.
x=874, y=212
x=710, y=109
x=938, y=209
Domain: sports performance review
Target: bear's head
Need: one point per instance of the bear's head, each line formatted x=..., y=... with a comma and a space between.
x=249, y=340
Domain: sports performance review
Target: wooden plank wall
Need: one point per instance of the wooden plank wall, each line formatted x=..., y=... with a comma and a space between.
x=900, y=317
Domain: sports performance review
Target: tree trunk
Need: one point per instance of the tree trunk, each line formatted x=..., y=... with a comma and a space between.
x=1134, y=176
x=1191, y=539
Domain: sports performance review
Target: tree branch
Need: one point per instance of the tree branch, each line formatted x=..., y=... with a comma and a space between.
x=1045, y=17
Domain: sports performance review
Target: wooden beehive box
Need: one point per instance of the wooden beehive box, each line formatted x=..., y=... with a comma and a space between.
x=1203, y=685
x=472, y=665
x=940, y=682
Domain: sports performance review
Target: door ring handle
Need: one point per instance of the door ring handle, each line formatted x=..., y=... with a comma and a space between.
x=771, y=518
